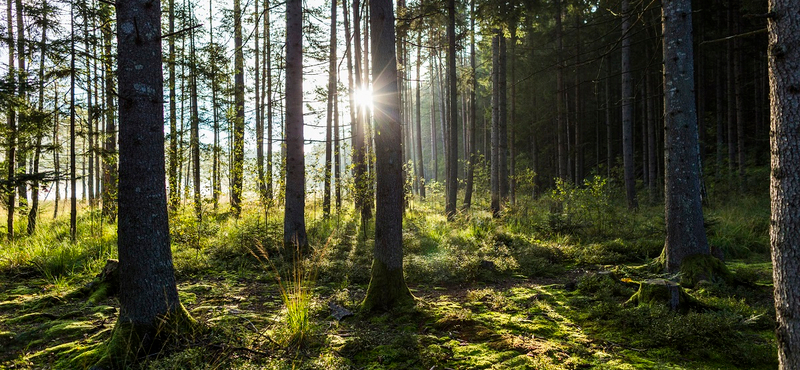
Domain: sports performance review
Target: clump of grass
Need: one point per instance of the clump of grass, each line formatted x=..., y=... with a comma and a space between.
x=295, y=285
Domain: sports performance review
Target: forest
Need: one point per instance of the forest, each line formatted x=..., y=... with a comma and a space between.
x=410, y=184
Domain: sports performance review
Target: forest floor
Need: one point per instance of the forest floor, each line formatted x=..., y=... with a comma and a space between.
x=533, y=290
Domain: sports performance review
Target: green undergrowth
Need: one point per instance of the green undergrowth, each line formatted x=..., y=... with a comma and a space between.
x=544, y=286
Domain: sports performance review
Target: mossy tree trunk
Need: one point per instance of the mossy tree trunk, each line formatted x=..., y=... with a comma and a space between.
x=784, y=86
x=387, y=288
x=148, y=294
x=683, y=210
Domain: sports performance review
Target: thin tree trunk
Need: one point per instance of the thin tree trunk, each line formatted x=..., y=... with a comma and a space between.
x=262, y=187
x=326, y=197
x=495, y=168
x=89, y=111
x=452, y=158
x=32, y=216
x=627, y=109
x=560, y=114
x=22, y=87
x=194, y=136
x=110, y=145
x=73, y=209
x=174, y=184
x=56, y=150
x=268, y=75
x=237, y=170
x=12, y=127
x=419, y=163
x=472, y=118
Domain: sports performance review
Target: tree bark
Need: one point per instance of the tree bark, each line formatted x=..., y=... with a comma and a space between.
x=12, y=127
x=387, y=287
x=784, y=79
x=194, y=135
x=294, y=224
x=560, y=114
x=683, y=211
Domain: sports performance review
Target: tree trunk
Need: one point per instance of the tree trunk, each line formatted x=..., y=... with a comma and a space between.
x=495, y=169
x=22, y=86
x=361, y=178
x=215, y=170
x=452, y=154
x=472, y=118
x=627, y=109
x=684, y=214
x=194, y=136
x=268, y=96
x=12, y=127
x=294, y=224
x=237, y=170
x=260, y=181
x=326, y=197
x=56, y=157
x=73, y=209
x=419, y=163
x=110, y=144
x=784, y=31
x=33, y=215
x=148, y=294
x=90, y=153
x=560, y=114
x=387, y=287
x=434, y=141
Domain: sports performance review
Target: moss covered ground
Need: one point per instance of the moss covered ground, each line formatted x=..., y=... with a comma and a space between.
x=531, y=290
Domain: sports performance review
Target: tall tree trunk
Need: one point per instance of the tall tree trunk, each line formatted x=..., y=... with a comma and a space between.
x=512, y=184
x=268, y=95
x=502, y=119
x=90, y=153
x=731, y=85
x=783, y=59
x=148, y=293
x=22, y=87
x=294, y=224
x=73, y=209
x=651, y=140
x=472, y=118
x=738, y=92
x=326, y=197
x=12, y=126
x=56, y=151
x=452, y=155
x=387, y=287
x=194, y=136
x=237, y=170
x=110, y=145
x=32, y=216
x=419, y=163
x=578, y=107
x=609, y=131
x=216, y=186
x=434, y=140
x=684, y=214
x=174, y=184
x=361, y=178
x=560, y=114
x=351, y=91
x=495, y=169
x=718, y=111
x=260, y=181
x=627, y=109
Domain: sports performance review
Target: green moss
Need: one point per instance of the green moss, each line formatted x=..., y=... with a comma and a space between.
x=387, y=289
x=700, y=267
x=664, y=292
x=128, y=341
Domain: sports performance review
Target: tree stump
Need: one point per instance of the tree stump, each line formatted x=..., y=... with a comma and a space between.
x=662, y=291
x=104, y=285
